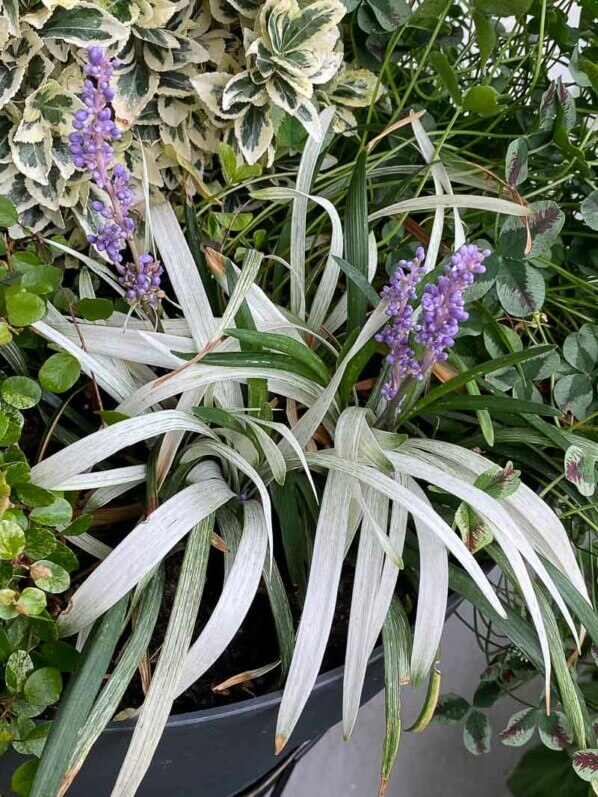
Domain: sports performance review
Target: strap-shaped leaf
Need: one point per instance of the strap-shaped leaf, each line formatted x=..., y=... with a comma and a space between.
x=236, y=597
x=162, y=690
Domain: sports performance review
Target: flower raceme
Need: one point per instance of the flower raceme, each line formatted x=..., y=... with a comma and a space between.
x=92, y=148
x=442, y=311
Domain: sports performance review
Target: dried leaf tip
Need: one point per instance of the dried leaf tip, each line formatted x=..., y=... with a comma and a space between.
x=279, y=743
x=215, y=261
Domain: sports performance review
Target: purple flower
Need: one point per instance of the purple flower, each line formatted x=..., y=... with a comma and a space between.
x=91, y=148
x=443, y=305
x=398, y=294
x=442, y=310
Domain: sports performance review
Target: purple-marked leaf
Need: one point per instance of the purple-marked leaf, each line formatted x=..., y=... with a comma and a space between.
x=594, y=651
x=545, y=225
x=585, y=764
x=580, y=349
x=567, y=104
x=520, y=288
x=516, y=162
x=474, y=532
x=520, y=728
x=451, y=708
x=579, y=469
x=555, y=730
x=477, y=733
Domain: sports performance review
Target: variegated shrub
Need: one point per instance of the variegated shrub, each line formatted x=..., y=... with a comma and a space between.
x=192, y=73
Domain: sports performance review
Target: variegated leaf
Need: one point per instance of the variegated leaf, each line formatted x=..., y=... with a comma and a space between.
x=84, y=24
x=516, y=162
x=315, y=18
x=580, y=469
x=585, y=764
x=450, y=709
x=10, y=82
x=308, y=116
x=254, y=133
x=240, y=89
x=34, y=160
x=135, y=86
x=555, y=730
x=520, y=728
x=355, y=88
x=477, y=733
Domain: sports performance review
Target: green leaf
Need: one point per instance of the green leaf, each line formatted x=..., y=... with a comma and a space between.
x=482, y=100
x=39, y=543
x=12, y=539
x=95, y=309
x=520, y=728
x=516, y=162
x=486, y=36
x=573, y=393
x=390, y=14
x=24, y=308
x=18, y=668
x=358, y=278
x=451, y=708
x=23, y=776
x=228, y=161
x=254, y=133
x=520, y=288
x=78, y=526
x=32, y=495
x=77, y=700
x=545, y=773
x=49, y=576
x=585, y=764
x=43, y=687
x=477, y=733
x=580, y=349
x=60, y=372
x=488, y=367
x=20, y=392
x=555, y=730
x=259, y=360
x=493, y=403
x=31, y=601
x=58, y=513
x=589, y=210
x=503, y=8
x=5, y=333
x=42, y=280
x=60, y=655
x=8, y=212
x=356, y=242
x=445, y=71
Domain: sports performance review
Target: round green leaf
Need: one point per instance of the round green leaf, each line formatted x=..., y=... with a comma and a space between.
x=23, y=777
x=8, y=212
x=12, y=539
x=43, y=687
x=31, y=602
x=95, y=309
x=58, y=513
x=482, y=100
x=32, y=495
x=5, y=333
x=42, y=279
x=580, y=349
x=49, y=576
x=60, y=655
x=477, y=733
x=20, y=392
x=59, y=372
x=503, y=8
x=573, y=393
x=24, y=308
x=589, y=210
x=39, y=543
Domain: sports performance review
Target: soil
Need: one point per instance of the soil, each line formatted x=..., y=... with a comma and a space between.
x=253, y=646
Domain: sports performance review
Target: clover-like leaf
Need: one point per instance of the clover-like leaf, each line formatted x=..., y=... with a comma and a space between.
x=477, y=732
x=585, y=764
x=450, y=709
x=520, y=728
x=555, y=730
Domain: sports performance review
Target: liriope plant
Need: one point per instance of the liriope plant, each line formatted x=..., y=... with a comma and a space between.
x=238, y=411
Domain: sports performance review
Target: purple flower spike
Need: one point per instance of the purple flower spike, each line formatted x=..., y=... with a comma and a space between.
x=91, y=148
x=398, y=293
x=443, y=305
